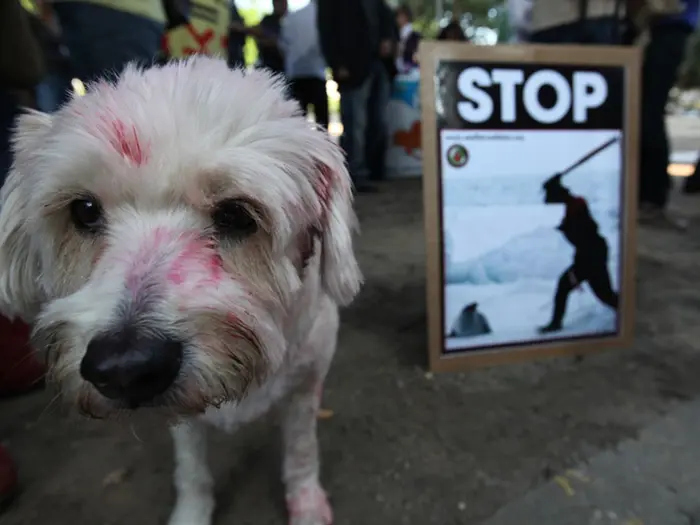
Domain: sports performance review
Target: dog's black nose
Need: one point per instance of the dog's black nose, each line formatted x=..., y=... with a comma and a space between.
x=130, y=367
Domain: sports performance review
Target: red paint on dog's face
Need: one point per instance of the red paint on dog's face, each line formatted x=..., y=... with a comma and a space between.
x=125, y=141
x=199, y=265
x=146, y=257
x=182, y=259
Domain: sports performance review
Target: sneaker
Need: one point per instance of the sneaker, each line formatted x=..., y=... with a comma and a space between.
x=8, y=478
x=20, y=370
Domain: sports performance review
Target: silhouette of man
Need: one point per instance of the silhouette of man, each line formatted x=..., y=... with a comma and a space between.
x=590, y=258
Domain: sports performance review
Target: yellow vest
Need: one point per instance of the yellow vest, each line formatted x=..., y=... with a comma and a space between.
x=206, y=34
x=29, y=6
x=152, y=9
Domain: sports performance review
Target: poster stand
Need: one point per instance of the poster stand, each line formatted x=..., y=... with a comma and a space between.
x=530, y=190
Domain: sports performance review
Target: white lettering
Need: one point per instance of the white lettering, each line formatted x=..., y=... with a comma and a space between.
x=532, y=90
x=587, y=90
x=480, y=106
x=590, y=91
x=508, y=79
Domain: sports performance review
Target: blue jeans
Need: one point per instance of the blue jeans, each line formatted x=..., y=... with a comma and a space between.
x=102, y=41
x=363, y=113
x=53, y=92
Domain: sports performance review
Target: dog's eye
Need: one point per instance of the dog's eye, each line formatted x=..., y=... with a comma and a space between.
x=86, y=215
x=231, y=217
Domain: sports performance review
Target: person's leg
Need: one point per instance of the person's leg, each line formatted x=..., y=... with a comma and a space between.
x=102, y=40
x=53, y=92
x=567, y=282
x=319, y=100
x=692, y=183
x=299, y=90
x=353, y=113
x=599, y=281
x=662, y=58
x=377, y=132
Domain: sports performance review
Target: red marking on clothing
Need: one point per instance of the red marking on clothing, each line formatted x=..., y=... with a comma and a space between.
x=125, y=140
x=202, y=41
x=165, y=44
x=409, y=140
x=576, y=206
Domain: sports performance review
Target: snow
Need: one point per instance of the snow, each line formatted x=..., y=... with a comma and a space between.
x=503, y=251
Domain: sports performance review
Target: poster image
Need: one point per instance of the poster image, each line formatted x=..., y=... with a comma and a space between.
x=529, y=255
x=530, y=194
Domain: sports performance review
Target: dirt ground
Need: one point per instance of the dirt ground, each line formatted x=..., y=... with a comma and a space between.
x=403, y=447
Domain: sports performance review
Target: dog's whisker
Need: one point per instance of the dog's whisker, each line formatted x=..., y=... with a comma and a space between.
x=48, y=406
x=133, y=433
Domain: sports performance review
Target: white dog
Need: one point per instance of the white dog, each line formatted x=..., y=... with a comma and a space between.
x=181, y=240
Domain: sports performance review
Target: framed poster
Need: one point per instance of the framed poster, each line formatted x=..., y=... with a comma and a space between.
x=530, y=166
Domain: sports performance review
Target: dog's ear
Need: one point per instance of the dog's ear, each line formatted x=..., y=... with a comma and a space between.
x=340, y=274
x=19, y=262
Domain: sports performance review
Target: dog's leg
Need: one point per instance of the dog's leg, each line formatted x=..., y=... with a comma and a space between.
x=306, y=500
x=193, y=480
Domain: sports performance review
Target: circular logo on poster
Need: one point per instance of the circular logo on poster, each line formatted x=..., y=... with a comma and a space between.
x=457, y=156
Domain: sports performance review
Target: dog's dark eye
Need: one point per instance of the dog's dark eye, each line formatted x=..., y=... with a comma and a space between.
x=232, y=217
x=87, y=215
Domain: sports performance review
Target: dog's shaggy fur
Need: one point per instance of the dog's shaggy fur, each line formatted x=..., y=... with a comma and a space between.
x=255, y=302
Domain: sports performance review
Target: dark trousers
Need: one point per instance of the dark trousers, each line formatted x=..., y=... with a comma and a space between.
x=590, y=266
x=692, y=183
x=363, y=112
x=311, y=91
x=662, y=58
x=102, y=41
x=53, y=92
x=9, y=110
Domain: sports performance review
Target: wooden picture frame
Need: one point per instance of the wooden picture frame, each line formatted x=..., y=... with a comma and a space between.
x=469, y=339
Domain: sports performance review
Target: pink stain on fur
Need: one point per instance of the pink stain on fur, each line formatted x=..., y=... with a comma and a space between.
x=145, y=257
x=318, y=392
x=323, y=190
x=308, y=502
x=183, y=259
x=125, y=140
x=198, y=265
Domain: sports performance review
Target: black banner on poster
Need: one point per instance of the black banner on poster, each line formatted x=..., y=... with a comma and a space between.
x=529, y=96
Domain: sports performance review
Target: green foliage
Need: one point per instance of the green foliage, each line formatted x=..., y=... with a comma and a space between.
x=425, y=14
x=424, y=10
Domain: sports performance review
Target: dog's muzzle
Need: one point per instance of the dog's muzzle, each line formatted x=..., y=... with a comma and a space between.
x=131, y=367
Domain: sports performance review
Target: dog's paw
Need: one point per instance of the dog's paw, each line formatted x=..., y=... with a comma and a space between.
x=192, y=511
x=309, y=505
